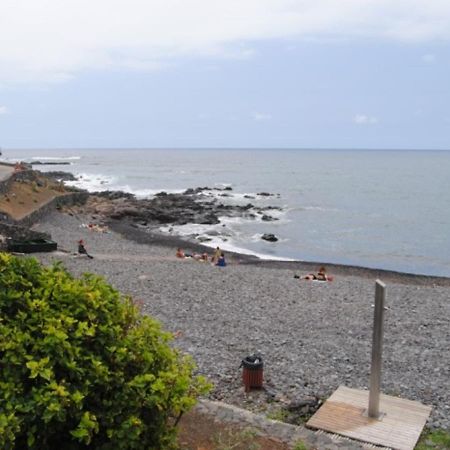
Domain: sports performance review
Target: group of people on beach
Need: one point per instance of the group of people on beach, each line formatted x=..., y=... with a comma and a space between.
x=217, y=259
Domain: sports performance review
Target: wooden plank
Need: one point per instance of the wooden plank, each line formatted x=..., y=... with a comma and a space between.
x=345, y=413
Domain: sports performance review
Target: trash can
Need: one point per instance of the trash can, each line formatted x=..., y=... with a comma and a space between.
x=252, y=373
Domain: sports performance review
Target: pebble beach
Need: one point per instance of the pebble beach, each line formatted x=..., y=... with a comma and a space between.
x=312, y=336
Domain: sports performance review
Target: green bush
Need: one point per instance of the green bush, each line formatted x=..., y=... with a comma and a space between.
x=81, y=368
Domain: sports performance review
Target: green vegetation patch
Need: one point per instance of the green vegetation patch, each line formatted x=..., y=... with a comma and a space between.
x=434, y=440
x=80, y=366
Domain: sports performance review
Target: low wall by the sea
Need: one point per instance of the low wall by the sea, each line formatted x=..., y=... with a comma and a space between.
x=57, y=202
x=29, y=176
x=5, y=184
x=20, y=229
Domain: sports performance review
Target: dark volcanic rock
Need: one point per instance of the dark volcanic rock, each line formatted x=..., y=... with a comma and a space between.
x=269, y=237
x=50, y=163
x=114, y=195
x=195, y=191
x=267, y=218
x=165, y=208
x=60, y=175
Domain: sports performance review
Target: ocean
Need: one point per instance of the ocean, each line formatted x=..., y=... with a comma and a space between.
x=378, y=209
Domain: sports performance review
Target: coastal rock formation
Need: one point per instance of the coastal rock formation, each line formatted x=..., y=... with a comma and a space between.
x=191, y=206
x=267, y=218
x=59, y=175
x=49, y=163
x=269, y=237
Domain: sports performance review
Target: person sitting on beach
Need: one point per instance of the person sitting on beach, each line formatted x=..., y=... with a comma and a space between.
x=216, y=255
x=221, y=261
x=82, y=249
x=322, y=275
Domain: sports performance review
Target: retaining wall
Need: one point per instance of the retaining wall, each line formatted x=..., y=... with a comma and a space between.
x=63, y=200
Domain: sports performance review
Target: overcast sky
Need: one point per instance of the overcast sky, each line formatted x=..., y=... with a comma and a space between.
x=231, y=73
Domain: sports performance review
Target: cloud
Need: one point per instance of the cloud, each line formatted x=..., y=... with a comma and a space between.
x=3, y=110
x=429, y=58
x=258, y=116
x=54, y=39
x=363, y=119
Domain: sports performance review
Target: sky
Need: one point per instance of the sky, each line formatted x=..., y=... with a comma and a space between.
x=232, y=73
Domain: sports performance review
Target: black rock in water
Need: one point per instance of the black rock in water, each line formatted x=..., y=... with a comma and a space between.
x=269, y=237
x=267, y=218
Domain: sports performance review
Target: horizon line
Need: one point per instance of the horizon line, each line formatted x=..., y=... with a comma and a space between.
x=231, y=148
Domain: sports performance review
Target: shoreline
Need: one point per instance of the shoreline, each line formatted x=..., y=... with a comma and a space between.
x=156, y=238
x=239, y=210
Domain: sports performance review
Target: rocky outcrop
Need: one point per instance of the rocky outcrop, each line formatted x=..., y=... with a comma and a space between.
x=49, y=163
x=269, y=237
x=59, y=175
x=191, y=206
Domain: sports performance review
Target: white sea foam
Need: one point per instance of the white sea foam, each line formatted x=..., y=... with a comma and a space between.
x=230, y=247
x=223, y=241
x=92, y=182
x=224, y=235
x=222, y=185
x=55, y=158
x=146, y=193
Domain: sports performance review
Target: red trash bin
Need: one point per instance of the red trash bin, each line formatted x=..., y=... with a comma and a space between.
x=252, y=373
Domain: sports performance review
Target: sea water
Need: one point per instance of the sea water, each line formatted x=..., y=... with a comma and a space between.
x=380, y=209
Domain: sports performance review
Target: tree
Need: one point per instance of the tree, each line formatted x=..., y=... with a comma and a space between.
x=80, y=367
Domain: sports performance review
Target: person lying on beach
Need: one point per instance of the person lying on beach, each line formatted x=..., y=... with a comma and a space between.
x=200, y=256
x=180, y=254
x=221, y=261
x=82, y=249
x=320, y=276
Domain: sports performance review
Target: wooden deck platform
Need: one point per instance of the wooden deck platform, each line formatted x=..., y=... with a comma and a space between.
x=399, y=428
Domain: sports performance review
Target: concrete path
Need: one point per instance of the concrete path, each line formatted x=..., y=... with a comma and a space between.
x=5, y=172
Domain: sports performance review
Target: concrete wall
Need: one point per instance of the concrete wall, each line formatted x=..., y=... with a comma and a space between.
x=24, y=175
x=68, y=199
x=4, y=185
x=29, y=176
x=64, y=200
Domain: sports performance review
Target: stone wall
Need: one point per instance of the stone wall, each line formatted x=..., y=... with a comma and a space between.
x=4, y=185
x=64, y=200
x=20, y=229
x=24, y=175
